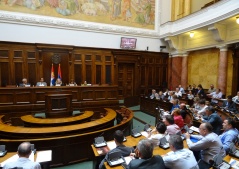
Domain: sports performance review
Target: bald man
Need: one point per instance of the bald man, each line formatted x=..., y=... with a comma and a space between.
x=23, y=151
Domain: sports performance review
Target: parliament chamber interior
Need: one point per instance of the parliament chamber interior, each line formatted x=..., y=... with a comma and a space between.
x=70, y=76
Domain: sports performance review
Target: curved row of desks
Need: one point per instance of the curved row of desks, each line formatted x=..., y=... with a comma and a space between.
x=32, y=132
x=72, y=147
x=30, y=120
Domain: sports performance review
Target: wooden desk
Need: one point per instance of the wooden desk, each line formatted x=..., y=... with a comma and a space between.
x=7, y=131
x=43, y=157
x=29, y=120
x=30, y=99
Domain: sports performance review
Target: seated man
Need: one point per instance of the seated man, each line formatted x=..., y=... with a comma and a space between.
x=230, y=133
x=144, y=151
x=59, y=82
x=178, y=93
x=152, y=95
x=211, y=89
x=172, y=128
x=179, y=157
x=230, y=105
x=41, y=83
x=125, y=151
x=209, y=143
x=23, y=151
x=236, y=98
x=160, y=133
x=214, y=119
x=181, y=89
x=24, y=83
x=215, y=96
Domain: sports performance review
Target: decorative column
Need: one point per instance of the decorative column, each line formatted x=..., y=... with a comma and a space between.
x=176, y=71
x=222, y=70
x=184, y=74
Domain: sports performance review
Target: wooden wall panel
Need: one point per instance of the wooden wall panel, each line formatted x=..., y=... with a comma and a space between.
x=96, y=66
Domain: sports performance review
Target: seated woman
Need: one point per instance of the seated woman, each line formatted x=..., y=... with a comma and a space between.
x=178, y=119
x=156, y=135
x=175, y=105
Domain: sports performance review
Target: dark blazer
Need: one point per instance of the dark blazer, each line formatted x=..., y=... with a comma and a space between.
x=156, y=162
x=215, y=120
x=125, y=151
x=201, y=93
x=230, y=106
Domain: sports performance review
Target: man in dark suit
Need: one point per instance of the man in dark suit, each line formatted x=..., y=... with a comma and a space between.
x=230, y=105
x=125, y=151
x=214, y=119
x=144, y=151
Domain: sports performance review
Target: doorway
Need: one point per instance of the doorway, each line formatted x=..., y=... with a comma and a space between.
x=126, y=74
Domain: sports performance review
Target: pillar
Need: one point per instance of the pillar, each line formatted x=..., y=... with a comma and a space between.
x=222, y=70
x=184, y=74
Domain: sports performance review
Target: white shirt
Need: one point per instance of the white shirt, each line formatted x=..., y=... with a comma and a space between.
x=202, y=111
x=178, y=94
x=216, y=96
x=156, y=137
x=180, y=159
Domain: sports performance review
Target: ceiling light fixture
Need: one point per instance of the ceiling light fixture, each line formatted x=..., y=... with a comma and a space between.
x=191, y=34
x=237, y=20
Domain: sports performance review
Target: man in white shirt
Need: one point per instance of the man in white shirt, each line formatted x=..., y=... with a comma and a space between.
x=215, y=96
x=209, y=143
x=178, y=93
x=179, y=157
x=236, y=98
x=24, y=151
x=203, y=106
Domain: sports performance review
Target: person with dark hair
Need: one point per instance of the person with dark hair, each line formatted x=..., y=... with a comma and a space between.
x=125, y=151
x=144, y=151
x=160, y=133
x=230, y=133
x=23, y=151
x=202, y=104
x=214, y=119
x=209, y=143
x=200, y=92
x=230, y=105
x=179, y=157
x=172, y=128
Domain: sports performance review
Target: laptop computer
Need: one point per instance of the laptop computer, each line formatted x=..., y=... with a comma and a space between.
x=163, y=143
x=135, y=133
x=100, y=142
x=219, y=163
x=115, y=158
x=233, y=151
x=3, y=150
x=147, y=128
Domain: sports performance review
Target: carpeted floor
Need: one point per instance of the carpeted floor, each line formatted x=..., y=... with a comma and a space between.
x=136, y=124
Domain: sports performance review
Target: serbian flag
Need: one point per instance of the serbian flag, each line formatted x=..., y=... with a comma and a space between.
x=52, y=82
x=59, y=72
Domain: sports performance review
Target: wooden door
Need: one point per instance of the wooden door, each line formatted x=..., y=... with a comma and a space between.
x=126, y=79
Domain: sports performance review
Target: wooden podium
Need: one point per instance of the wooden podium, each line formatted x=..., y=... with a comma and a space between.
x=58, y=104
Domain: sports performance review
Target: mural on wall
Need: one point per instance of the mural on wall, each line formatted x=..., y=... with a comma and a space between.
x=131, y=13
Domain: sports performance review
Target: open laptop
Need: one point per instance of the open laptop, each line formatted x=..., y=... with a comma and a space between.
x=147, y=128
x=135, y=133
x=219, y=163
x=3, y=150
x=163, y=143
x=233, y=151
x=100, y=142
x=115, y=158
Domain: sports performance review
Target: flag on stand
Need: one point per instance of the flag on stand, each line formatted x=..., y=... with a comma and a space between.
x=59, y=72
x=52, y=82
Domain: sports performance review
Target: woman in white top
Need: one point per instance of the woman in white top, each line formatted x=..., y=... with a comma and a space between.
x=156, y=135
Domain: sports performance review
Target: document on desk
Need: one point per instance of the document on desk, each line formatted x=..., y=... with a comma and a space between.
x=194, y=129
x=234, y=164
x=44, y=156
x=11, y=159
x=145, y=134
x=128, y=159
x=111, y=145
